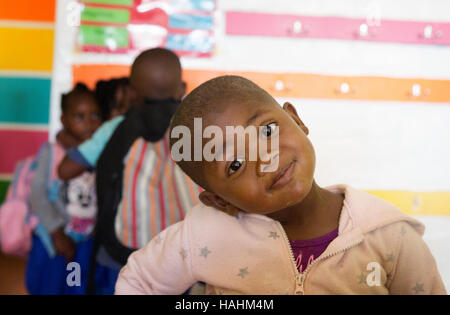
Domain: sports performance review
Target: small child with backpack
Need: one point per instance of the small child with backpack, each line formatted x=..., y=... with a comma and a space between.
x=66, y=210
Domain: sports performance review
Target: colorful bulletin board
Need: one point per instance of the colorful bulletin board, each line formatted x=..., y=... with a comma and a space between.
x=124, y=26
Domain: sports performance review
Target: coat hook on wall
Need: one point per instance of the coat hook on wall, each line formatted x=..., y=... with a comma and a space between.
x=365, y=31
x=416, y=91
x=429, y=33
x=345, y=89
x=297, y=29
x=280, y=85
x=416, y=203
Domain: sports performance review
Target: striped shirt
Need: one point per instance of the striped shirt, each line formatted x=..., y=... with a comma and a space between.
x=156, y=193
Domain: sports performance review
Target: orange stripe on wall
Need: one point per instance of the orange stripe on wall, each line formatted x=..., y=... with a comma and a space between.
x=28, y=10
x=301, y=85
x=90, y=74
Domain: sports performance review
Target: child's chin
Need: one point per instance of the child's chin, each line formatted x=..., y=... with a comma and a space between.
x=295, y=194
x=84, y=138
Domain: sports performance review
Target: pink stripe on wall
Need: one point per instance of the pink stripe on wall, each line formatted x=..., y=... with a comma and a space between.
x=285, y=25
x=18, y=144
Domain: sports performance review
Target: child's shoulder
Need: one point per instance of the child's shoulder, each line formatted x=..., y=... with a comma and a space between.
x=48, y=151
x=108, y=127
x=369, y=212
x=203, y=213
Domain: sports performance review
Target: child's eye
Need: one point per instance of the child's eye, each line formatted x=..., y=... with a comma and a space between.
x=235, y=165
x=95, y=117
x=268, y=130
x=79, y=117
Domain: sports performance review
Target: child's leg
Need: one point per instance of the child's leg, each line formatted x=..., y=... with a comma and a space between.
x=105, y=279
x=44, y=275
x=104, y=272
x=82, y=257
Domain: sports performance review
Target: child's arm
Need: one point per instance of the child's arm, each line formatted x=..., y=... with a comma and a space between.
x=85, y=156
x=162, y=267
x=66, y=139
x=415, y=271
x=69, y=169
x=49, y=215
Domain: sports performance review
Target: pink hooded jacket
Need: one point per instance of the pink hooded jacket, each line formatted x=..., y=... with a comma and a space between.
x=379, y=250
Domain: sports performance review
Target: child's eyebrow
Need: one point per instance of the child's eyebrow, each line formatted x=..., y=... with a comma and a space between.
x=256, y=115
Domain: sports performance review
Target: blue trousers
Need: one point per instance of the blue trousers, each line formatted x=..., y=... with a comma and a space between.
x=50, y=275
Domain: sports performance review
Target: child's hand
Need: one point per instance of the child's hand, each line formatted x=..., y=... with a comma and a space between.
x=64, y=245
x=66, y=140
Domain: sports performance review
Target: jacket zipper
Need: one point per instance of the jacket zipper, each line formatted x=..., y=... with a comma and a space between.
x=301, y=277
x=298, y=276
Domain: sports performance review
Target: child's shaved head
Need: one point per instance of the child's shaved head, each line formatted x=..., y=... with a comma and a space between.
x=156, y=74
x=212, y=97
x=232, y=179
x=155, y=90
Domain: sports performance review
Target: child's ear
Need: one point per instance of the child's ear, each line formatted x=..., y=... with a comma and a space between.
x=63, y=120
x=292, y=112
x=131, y=95
x=181, y=90
x=212, y=200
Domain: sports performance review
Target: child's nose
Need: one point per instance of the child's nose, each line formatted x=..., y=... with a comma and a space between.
x=92, y=124
x=268, y=162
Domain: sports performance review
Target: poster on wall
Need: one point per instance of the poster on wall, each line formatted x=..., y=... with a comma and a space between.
x=129, y=26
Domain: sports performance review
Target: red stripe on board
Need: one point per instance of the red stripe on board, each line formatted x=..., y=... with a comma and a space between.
x=133, y=196
x=17, y=145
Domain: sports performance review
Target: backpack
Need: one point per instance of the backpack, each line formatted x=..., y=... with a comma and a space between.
x=17, y=221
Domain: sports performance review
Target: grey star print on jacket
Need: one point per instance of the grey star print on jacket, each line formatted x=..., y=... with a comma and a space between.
x=378, y=250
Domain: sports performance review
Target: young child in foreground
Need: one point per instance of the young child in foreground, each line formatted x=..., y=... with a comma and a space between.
x=277, y=232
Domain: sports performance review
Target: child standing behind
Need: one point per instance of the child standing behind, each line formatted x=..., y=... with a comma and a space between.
x=112, y=96
x=66, y=211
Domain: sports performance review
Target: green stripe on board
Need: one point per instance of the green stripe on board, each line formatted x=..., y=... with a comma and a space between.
x=24, y=100
x=105, y=15
x=116, y=2
x=3, y=189
x=109, y=36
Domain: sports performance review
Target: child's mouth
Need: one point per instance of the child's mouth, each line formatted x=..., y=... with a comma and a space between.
x=284, y=176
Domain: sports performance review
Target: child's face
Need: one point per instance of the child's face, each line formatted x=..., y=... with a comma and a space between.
x=82, y=117
x=244, y=186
